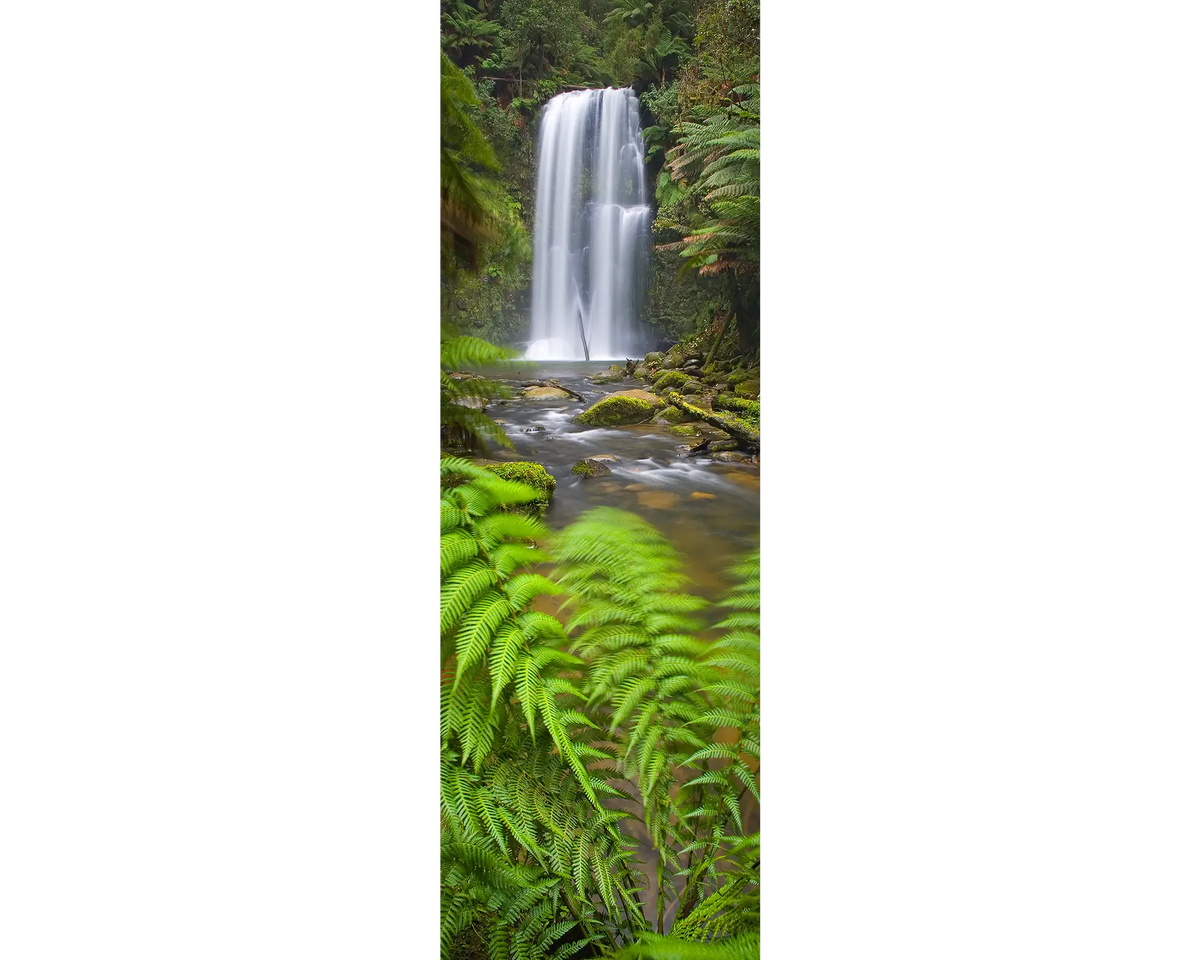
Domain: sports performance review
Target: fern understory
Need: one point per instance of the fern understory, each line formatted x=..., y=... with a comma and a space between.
x=569, y=741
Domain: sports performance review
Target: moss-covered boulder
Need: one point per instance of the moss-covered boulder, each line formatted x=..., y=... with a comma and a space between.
x=684, y=429
x=669, y=380
x=747, y=389
x=692, y=386
x=616, y=410
x=675, y=357
x=741, y=376
x=608, y=378
x=673, y=415
x=641, y=370
x=591, y=467
x=530, y=473
x=652, y=358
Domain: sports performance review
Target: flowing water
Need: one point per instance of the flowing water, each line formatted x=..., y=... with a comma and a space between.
x=708, y=509
x=591, y=228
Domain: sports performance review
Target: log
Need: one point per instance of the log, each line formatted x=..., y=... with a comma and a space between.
x=745, y=434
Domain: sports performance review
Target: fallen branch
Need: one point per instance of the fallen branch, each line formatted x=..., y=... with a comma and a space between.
x=745, y=434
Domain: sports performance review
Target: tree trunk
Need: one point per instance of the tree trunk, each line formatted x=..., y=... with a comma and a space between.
x=712, y=354
x=745, y=434
x=735, y=298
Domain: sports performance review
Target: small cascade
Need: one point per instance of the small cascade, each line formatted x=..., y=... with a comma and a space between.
x=591, y=233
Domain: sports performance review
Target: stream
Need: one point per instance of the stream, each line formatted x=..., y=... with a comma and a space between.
x=708, y=509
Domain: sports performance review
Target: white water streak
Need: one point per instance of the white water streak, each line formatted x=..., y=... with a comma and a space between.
x=591, y=227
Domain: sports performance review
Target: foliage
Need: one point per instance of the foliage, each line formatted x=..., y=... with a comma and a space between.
x=532, y=475
x=472, y=209
x=718, y=160
x=554, y=734
x=466, y=32
x=464, y=424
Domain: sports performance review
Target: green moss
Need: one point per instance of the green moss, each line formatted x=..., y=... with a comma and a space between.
x=684, y=430
x=690, y=387
x=614, y=411
x=747, y=388
x=741, y=376
x=591, y=468
x=670, y=380
x=747, y=408
x=674, y=415
x=531, y=474
x=653, y=357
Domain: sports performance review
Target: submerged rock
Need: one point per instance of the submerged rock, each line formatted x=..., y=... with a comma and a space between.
x=698, y=495
x=658, y=499
x=591, y=467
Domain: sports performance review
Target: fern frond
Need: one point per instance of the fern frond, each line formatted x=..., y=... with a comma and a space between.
x=651, y=946
x=461, y=591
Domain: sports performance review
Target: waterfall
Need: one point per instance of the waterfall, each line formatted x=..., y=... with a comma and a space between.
x=591, y=233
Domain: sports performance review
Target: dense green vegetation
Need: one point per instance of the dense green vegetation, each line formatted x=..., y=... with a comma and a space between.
x=599, y=722
x=694, y=64
x=638, y=707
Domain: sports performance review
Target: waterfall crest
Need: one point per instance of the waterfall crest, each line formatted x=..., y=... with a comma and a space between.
x=591, y=235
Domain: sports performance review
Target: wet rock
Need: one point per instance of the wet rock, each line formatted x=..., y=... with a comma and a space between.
x=471, y=403
x=533, y=428
x=635, y=487
x=652, y=357
x=601, y=378
x=692, y=386
x=625, y=406
x=642, y=371
x=684, y=430
x=747, y=390
x=657, y=499
x=591, y=467
x=606, y=458
x=698, y=495
x=733, y=456
x=545, y=393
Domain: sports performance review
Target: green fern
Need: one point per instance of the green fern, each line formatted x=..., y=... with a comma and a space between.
x=553, y=734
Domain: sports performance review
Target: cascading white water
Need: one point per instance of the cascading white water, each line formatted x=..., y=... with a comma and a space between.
x=591, y=228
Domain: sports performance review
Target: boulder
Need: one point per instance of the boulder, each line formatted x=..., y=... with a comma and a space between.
x=545, y=393
x=530, y=473
x=652, y=358
x=617, y=410
x=591, y=467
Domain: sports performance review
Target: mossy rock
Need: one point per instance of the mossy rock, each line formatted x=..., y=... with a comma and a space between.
x=652, y=358
x=531, y=474
x=748, y=409
x=641, y=370
x=591, y=467
x=675, y=357
x=684, y=430
x=672, y=415
x=614, y=411
x=608, y=378
x=741, y=376
x=624, y=407
x=670, y=380
x=747, y=389
x=692, y=386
